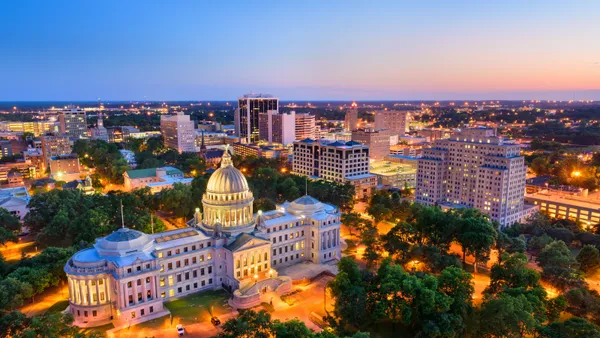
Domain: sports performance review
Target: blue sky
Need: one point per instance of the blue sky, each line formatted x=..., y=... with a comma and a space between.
x=315, y=50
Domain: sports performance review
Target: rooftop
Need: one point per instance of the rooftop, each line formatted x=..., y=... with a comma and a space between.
x=581, y=202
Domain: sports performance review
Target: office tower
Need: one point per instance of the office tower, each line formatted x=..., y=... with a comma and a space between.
x=178, y=132
x=280, y=128
x=351, y=120
x=251, y=108
x=305, y=126
x=396, y=121
x=474, y=168
x=378, y=141
x=99, y=133
x=73, y=123
x=55, y=145
x=336, y=161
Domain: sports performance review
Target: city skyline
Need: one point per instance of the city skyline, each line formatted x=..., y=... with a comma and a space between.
x=309, y=51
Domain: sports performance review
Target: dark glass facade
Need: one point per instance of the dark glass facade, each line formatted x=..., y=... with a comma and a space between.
x=251, y=110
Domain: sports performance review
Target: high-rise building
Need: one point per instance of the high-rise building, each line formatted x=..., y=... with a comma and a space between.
x=73, y=123
x=351, y=120
x=305, y=126
x=178, y=132
x=252, y=108
x=55, y=145
x=278, y=128
x=378, y=141
x=99, y=133
x=474, y=168
x=396, y=121
x=336, y=161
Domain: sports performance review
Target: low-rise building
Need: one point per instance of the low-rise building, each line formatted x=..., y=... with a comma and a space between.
x=260, y=150
x=156, y=179
x=393, y=174
x=65, y=168
x=582, y=208
x=15, y=200
x=85, y=186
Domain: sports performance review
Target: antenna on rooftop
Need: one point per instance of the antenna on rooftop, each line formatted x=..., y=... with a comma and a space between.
x=122, y=218
x=305, y=185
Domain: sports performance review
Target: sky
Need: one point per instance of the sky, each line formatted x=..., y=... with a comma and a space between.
x=299, y=50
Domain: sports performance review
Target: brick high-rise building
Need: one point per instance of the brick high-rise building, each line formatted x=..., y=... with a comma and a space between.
x=54, y=145
x=178, y=132
x=474, y=168
x=377, y=140
x=351, y=119
x=396, y=121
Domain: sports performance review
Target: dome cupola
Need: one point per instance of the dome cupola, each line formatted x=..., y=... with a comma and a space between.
x=228, y=199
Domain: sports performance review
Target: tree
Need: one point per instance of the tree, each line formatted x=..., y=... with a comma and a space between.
x=9, y=227
x=264, y=204
x=572, y=327
x=178, y=200
x=555, y=306
x=370, y=238
x=558, y=266
x=508, y=316
x=291, y=329
x=507, y=244
x=584, y=302
x=458, y=284
x=13, y=293
x=512, y=273
x=248, y=324
x=476, y=235
x=540, y=166
x=350, y=294
x=588, y=259
x=352, y=220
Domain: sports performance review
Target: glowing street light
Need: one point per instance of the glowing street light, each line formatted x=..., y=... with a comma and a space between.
x=576, y=173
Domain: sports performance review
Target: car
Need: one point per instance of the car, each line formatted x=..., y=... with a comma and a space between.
x=215, y=321
x=180, y=330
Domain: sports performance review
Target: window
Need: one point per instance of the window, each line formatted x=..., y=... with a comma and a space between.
x=195, y=273
x=128, y=284
x=194, y=260
x=170, y=266
x=179, y=290
x=210, y=269
x=129, y=270
x=141, y=312
x=162, y=295
x=195, y=285
x=139, y=282
x=169, y=253
x=162, y=267
x=85, y=313
x=132, y=314
x=162, y=281
x=151, y=309
x=147, y=280
x=139, y=268
x=94, y=313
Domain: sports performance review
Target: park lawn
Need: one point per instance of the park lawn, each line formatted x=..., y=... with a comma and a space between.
x=199, y=307
x=58, y=306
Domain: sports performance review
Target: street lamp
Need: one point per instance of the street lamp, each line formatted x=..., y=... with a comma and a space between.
x=255, y=279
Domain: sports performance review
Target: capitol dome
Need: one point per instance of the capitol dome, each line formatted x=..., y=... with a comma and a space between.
x=227, y=179
x=228, y=199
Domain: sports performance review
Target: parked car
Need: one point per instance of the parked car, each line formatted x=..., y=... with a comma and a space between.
x=180, y=330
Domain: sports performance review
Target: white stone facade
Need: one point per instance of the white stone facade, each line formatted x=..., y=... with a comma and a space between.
x=126, y=276
x=474, y=168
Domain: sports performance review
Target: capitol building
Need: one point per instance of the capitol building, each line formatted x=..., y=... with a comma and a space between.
x=127, y=276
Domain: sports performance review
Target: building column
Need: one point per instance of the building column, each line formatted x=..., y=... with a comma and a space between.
x=70, y=289
x=144, y=291
x=81, y=299
x=125, y=298
x=89, y=292
x=135, y=293
x=97, y=292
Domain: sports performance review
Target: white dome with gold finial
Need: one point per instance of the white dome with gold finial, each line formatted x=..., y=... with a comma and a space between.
x=227, y=179
x=228, y=199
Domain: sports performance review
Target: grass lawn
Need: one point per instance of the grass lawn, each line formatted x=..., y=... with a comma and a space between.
x=199, y=307
x=100, y=329
x=58, y=306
